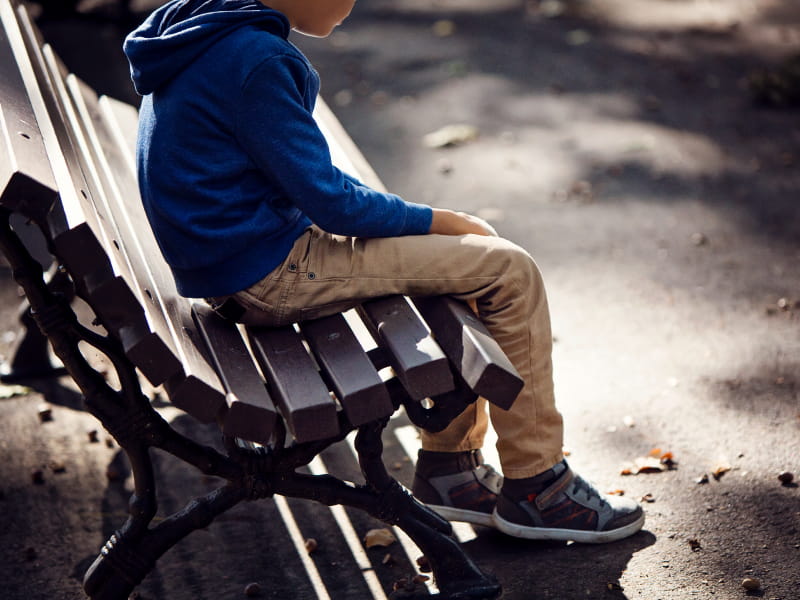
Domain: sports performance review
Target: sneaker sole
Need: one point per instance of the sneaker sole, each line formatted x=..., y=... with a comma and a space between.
x=566, y=535
x=459, y=514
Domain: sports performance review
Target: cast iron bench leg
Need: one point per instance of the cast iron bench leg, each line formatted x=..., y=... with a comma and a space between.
x=133, y=550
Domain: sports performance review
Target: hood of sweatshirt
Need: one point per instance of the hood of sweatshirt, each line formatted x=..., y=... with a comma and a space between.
x=178, y=32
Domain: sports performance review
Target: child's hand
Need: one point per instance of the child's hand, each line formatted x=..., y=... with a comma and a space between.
x=448, y=222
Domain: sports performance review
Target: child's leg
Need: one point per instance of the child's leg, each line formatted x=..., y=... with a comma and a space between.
x=325, y=274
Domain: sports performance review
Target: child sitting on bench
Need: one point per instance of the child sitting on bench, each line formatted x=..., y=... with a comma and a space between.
x=250, y=213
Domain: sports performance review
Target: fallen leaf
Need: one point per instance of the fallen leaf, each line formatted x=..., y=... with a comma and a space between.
x=655, y=462
x=616, y=493
x=9, y=391
x=450, y=135
x=643, y=464
x=648, y=464
x=424, y=564
x=444, y=28
x=695, y=545
x=719, y=471
x=751, y=584
x=668, y=460
x=648, y=498
x=379, y=537
x=702, y=479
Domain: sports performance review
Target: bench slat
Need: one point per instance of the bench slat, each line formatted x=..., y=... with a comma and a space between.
x=73, y=238
x=123, y=119
x=295, y=383
x=72, y=224
x=75, y=207
x=152, y=354
x=349, y=372
x=28, y=185
x=472, y=350
x=251, y=412
x=76, y=213
x=417, y=360
x=105, y=192
x=196, y=388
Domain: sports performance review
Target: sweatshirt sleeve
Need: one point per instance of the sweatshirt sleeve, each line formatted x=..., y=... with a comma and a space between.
x=278, y=131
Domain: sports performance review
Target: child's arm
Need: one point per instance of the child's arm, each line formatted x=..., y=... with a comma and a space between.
x=448, y=222
x=276, y=128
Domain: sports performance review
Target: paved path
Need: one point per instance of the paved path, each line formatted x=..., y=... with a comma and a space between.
x=623, y=149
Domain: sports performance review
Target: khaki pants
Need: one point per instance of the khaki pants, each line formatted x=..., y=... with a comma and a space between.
x=325, y=274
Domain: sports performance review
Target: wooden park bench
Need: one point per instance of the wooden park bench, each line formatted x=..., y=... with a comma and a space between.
x=279, y=395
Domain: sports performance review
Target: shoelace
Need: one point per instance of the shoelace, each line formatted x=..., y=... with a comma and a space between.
x=579, y=485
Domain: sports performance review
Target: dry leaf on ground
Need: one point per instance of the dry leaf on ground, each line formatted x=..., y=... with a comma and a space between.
x=655, y=462
x=720, y=470
x=9, y=391
x=379, y=537
x=450, y=135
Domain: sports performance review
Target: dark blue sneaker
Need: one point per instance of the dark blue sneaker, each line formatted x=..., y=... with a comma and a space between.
x=567, y=509
x=458, y=485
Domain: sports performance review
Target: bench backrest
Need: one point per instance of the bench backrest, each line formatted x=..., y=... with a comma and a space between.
x=67, y=163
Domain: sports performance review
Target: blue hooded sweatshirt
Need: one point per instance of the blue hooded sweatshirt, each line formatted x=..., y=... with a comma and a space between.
x=232, y=167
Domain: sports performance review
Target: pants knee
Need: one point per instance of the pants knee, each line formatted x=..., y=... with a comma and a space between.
x=519, y=266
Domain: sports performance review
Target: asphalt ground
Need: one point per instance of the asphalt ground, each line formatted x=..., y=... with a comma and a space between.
x=621, y=143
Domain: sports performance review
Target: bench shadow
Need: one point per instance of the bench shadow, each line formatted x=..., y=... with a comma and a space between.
x=250, y=543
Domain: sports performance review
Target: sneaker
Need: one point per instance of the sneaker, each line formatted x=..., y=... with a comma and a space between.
x=568, y=508
x=457, y=485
